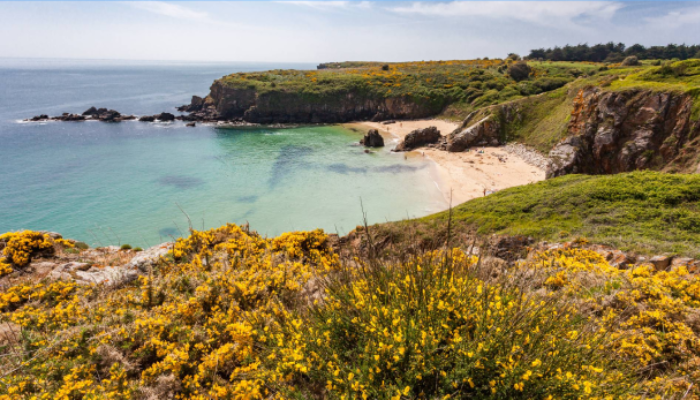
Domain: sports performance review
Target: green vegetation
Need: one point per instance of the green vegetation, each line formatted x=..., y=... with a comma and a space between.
x=126, y=247
x=645, y=212
x=466, y=85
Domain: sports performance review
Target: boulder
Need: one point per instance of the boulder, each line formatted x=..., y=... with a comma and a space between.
x=485, y=132
x=165, y=117
x=372, y=139
x=147, y=118
x=149, y=257
x=661, y=263
x=621, y=260
x=510, y=248
x=191, y=124
x=418, y=138
x=42, y=117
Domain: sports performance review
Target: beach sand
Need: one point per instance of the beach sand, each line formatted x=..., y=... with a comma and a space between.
x=466, y=175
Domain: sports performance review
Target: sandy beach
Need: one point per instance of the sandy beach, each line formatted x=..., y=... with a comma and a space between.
x=466, y=175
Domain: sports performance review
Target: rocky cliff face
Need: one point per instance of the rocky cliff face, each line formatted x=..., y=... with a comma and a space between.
x=485, y=127
x=612, y=132
x=228, y=103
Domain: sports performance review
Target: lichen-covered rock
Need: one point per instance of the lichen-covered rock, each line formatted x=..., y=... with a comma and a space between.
x=419, y=138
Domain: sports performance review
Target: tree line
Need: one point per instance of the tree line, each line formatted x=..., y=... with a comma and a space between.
x=612, y=52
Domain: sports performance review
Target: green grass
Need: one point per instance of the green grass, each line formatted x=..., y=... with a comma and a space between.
x=645, y=212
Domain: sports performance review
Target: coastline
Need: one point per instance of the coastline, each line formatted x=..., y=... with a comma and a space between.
x=465, y=175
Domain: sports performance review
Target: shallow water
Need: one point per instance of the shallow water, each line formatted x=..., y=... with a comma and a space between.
x=138, y=183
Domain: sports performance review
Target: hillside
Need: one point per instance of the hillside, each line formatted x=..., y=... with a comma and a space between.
x=648, y=213
x=376, y=91
x=229, y=314
x=619, y=119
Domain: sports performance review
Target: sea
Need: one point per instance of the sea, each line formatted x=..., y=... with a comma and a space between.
x=144, y=183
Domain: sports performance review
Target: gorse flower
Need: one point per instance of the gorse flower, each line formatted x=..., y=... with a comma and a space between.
x=240, y=316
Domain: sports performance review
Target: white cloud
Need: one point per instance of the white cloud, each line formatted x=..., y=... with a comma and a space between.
x=539, y=12
x=170, y=10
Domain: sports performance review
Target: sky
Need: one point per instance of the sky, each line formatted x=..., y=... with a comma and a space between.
x=318, y=31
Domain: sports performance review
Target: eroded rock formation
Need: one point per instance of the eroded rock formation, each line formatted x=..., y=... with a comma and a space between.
x=372, y=139
x=618, y=131
x=419, y=138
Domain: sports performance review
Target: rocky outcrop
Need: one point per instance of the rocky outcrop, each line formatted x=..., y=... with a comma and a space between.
x=485, y=132
x=92, y=113
x=109, y=266
x=227, y=103
x=372, y=139
x=106, y=115
x=419, y=138
x=611, y=132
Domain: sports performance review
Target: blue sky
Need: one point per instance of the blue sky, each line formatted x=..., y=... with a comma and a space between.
x=315, y=31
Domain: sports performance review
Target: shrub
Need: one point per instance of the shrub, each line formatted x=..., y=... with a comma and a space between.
x=513, y=57
x=430, y=328
x=631, y=61
x=22, y=246
x=137, y=249
x=125, y=247
x=519, y=71
x=81, y=245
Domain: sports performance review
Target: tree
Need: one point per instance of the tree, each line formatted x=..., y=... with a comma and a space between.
x=513, y=56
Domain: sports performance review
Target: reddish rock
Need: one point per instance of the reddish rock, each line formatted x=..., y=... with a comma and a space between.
x=621, y=260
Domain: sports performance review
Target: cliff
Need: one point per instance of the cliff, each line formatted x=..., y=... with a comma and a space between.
x=342, y=92
x=619, y=131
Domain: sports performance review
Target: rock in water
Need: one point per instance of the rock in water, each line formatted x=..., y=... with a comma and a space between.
x=108, y=115
x=165, y=117
x=418, y=138
x=191, y=124
x=372, y=139
x=147, y=118
x=90, y=111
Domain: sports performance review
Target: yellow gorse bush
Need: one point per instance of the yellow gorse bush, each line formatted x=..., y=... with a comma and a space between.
x=430, y=329
x=21, y=245
x=652, y=316
x=233, y=315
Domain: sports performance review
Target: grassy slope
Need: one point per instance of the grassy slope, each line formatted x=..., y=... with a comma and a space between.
x=646, y=212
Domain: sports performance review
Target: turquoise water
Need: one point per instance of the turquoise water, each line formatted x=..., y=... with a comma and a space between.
x=134, y=182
